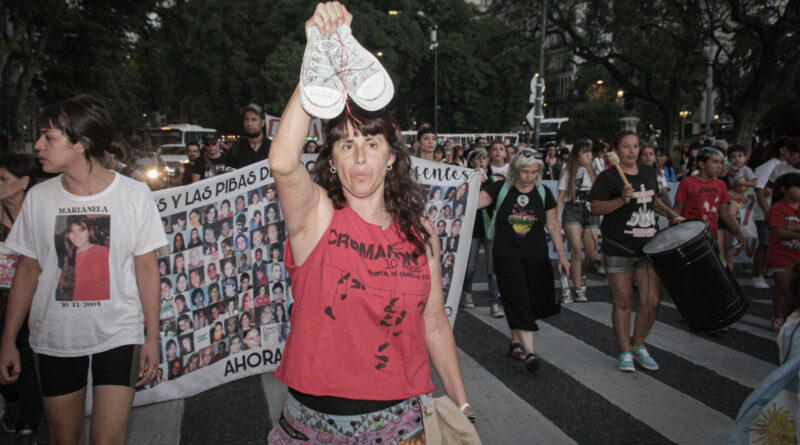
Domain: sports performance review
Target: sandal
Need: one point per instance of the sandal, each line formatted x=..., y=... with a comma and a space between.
x=516, y=352
x=531, y=362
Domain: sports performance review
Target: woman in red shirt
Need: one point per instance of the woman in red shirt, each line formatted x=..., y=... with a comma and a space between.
x=365, y=271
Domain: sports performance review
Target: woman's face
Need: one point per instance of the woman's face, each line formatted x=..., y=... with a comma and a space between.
x=311, y=147
x=210, y=235
x=213, y=294
x=551, y=151
x=198, y=300
x=195, y=236
x=647, y=156
x=266, y=315
x=194, y=277
x=628, y=150
x=78, y=235
x=280, y=311
x=272, y=215
x=179, y=263
x=479, y=162
x=56, y=152
x=661, y=159
x=228, y=269
x=461, y=190
x=275, y=253
x=176, y=368
x=172, y=350
x=437, y=194
x=194, y=218
x=218, y=332
x=236, y=345
x=441, y=226
x=448, y=262
x=254, y=199
x=510, y=152
x=262, y=291
x=245, y=322
x=239, y=203
x=194, y=256
x=162, y=267
x=211, y=214
x=225, y=208
x=252, y=339
x=247, y=303
x=178, y=241
x=11, y=185
x=182, y=283
x=361, y=162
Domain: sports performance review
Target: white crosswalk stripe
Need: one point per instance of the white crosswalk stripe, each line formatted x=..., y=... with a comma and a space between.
x=505, y=417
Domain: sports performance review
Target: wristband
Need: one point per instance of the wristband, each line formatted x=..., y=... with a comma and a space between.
x=465, y=405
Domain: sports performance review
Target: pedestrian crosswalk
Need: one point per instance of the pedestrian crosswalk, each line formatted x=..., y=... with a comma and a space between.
x=578, y=396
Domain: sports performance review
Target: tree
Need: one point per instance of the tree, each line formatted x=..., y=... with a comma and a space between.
x=651, y=48
x=757, y=60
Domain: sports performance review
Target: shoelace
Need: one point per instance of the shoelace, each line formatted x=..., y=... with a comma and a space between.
x=346, y=68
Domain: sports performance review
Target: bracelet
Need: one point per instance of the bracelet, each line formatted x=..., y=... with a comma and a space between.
x=465, y=405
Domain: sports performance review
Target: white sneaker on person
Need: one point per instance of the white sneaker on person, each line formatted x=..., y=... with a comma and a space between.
x=759, y=283
x=466, y=301
x=365, y=79
x=580, y=295
x=321, y=90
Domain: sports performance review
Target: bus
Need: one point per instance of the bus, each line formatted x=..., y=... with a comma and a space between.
x=175, y=134
x=465, y=139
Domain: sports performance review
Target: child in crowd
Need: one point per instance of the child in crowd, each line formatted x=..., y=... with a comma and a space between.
x=738, y=177
x=705, y=197
x=783, y=252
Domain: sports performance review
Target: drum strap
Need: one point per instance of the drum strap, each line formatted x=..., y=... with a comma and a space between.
x=618, y=245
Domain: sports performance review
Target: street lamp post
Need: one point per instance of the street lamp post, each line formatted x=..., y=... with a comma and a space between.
x=435, y=48
x=683, y=115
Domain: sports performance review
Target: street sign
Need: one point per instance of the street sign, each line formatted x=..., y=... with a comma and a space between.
x=530, y=116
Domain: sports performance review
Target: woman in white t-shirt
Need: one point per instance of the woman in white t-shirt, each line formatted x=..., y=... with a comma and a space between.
x=579, y=224
x=88, y=274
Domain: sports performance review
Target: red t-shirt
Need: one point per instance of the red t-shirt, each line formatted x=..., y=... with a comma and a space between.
x=702, y=200
x=358, y=330
x=782, y=253
x=91, y=274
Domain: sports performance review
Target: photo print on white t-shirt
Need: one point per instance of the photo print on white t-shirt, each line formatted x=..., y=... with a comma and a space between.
x=82, y=246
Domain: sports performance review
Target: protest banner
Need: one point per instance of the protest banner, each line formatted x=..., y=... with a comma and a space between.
x=225, y=295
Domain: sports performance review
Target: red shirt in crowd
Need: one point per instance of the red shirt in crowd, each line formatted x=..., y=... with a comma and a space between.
x=702, y=200
x=782, y=253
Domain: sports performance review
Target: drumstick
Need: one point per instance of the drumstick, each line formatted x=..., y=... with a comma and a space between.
x=613, y=159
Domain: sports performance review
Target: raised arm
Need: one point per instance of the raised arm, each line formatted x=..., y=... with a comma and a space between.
x=306, y=207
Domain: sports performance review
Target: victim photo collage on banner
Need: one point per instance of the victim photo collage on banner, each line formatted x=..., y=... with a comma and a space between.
x=225, y=293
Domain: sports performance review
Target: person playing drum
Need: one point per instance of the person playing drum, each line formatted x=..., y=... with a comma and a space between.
x=628, y=204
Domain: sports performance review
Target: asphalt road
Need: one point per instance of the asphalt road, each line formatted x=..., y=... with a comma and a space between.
x=578, y=396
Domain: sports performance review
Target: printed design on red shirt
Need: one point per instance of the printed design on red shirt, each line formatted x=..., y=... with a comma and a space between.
x=520, y=219
x=793, y=244
x=82, y=245
x=643, y=220
x=387, y=308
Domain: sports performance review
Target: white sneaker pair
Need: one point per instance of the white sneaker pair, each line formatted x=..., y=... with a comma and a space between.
x=337, y=66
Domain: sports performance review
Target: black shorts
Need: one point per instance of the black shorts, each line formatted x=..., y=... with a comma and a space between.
x=65, y=375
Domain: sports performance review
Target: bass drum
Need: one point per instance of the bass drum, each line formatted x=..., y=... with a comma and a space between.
x=703, y=289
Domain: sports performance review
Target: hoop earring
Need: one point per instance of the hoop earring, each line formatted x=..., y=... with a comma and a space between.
x=389, y=168
x=333, y=170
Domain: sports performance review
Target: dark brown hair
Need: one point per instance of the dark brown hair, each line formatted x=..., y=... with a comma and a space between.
x=402, y=194
x=83, y=119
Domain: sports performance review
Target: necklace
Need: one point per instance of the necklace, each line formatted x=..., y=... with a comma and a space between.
x=386, y=220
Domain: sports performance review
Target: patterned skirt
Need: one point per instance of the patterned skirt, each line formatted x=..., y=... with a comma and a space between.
x=399, y=424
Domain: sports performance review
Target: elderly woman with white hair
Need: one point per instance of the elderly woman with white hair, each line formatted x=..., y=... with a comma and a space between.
x=523, y=209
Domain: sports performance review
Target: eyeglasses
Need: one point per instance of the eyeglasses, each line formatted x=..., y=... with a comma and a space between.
x=193, y=151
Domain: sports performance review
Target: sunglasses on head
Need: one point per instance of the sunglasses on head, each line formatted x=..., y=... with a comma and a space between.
x=528, y=153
